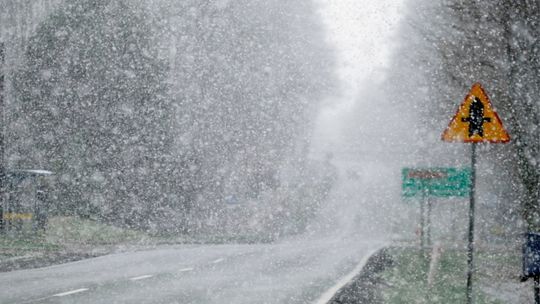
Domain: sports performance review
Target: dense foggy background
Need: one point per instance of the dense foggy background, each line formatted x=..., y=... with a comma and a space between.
x=191, y=117
x=237, y=118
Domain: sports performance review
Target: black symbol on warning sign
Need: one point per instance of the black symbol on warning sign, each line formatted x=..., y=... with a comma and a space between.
x=476, y=118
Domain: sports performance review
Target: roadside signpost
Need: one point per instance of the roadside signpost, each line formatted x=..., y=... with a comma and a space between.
x=433, y=182
x=2, y=164
x=474, y=122
x=436, y=182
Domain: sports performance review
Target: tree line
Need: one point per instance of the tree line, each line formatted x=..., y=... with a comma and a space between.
x=152, y=114
x=452, y=44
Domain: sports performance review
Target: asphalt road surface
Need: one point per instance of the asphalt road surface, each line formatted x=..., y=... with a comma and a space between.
x=295, y=271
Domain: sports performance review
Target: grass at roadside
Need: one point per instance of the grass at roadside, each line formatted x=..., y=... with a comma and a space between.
x=406, y=282
x=71, y=238
x=66, y=239
x=72, y=230
x=84, y=235
x=11, y=247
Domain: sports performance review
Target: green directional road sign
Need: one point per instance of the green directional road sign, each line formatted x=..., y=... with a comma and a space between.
x=436, y=182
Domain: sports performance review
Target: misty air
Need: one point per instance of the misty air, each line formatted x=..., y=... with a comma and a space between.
x=250, y=151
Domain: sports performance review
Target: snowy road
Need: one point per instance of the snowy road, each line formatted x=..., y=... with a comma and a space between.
x=296, y=271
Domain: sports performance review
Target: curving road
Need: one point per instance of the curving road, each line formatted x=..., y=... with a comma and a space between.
x=295, y=271
x=306, y=269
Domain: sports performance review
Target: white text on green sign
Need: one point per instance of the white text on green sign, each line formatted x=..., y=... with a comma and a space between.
x=436, y=182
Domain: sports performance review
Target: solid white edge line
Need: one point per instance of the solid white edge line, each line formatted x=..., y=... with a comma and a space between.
x=329, y=294
x=146, y=276
x=186, y=269
x=67, y=293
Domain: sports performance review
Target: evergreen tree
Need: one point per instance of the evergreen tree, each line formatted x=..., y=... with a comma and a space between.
x=93, y=105
x=154, y=112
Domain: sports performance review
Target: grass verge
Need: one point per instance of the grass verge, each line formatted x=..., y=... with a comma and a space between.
x=72, y=230
x=66, y=239
x=406, y=281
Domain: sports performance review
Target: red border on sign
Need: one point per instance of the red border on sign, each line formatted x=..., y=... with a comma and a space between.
x=494, y=112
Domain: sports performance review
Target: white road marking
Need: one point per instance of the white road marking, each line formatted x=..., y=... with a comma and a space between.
x=329, y=294
x=146, y=276
x=218, y=261
x=185, y=269
x=67, y=293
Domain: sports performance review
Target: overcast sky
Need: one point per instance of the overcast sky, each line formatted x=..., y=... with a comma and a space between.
x=361, y=31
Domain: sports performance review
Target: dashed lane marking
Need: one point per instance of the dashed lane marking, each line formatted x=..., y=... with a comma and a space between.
x=146, y=276
x=186, y=269
x=67, y=293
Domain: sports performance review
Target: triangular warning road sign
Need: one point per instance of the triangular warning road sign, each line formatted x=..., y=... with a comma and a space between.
x=476, y=121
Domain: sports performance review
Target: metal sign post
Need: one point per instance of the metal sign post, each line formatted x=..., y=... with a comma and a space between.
x=428, y=218
x=422, y=219
x=474, y=122
x=427, y=183
x=470, y=244
x=2, y=164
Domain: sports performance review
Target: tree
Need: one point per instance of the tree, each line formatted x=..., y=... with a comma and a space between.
x=521, y=31
x=93, y=108
x=455, y=43
x=154, y=112
x=248, y=76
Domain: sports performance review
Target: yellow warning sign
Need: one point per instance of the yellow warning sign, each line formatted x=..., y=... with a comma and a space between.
x=476, y=121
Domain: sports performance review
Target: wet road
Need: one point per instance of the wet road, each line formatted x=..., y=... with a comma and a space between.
x=295, y=271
